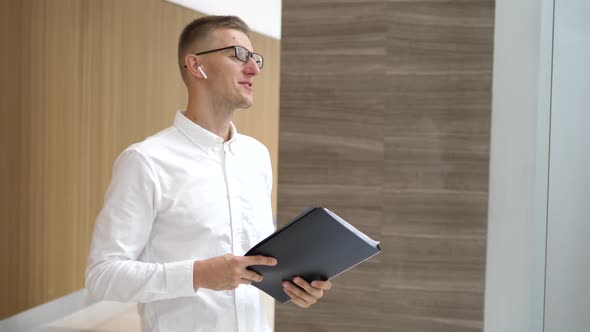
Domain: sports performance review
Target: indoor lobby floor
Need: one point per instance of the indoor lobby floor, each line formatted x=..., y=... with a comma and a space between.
x=75, y=312
x=105, y=316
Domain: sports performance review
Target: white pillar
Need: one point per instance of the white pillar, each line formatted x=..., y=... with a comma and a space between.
x=567, y=292
x=538, y=257
x=517, y=220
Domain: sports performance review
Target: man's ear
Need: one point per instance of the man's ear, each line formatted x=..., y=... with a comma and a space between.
x=190, y=60
x=192, y=65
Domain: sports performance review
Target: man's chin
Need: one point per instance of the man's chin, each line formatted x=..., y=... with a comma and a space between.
x=246, y=104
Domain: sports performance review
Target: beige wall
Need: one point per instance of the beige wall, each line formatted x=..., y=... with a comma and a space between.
x=385, y=119
x=81, y=80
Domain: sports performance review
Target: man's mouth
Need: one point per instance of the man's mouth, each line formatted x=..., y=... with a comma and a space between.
x=247, y=84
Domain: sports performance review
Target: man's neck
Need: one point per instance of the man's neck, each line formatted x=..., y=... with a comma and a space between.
x=214, y=119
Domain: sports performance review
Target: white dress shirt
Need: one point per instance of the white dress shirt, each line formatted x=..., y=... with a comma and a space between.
x=179, y=196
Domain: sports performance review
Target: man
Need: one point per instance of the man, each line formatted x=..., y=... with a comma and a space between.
x=185, y=204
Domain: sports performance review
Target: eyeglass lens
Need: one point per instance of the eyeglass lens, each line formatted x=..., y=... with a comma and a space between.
x=243, y=54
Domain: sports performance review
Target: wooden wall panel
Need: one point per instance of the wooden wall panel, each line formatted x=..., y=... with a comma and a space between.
x=331, y=143
x=385, y=118
x=81, y=81
x=10, y=80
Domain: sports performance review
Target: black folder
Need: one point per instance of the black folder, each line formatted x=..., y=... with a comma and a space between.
x=316, y=245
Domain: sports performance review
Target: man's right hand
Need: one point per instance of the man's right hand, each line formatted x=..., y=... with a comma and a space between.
x=228, y=271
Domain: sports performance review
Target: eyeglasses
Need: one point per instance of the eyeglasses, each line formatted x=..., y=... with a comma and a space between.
x=241, y=53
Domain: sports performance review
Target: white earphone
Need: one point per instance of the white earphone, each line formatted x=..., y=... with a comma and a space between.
x=202, y=72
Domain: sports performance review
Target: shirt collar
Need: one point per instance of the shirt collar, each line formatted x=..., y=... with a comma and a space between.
x=201, y=137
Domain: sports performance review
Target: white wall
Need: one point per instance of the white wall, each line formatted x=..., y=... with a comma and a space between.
x=567, y=304
x=518, y=169
x=538, y=214
x=262, y=16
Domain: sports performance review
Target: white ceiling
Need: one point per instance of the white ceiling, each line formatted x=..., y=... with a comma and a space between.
x=263, y=16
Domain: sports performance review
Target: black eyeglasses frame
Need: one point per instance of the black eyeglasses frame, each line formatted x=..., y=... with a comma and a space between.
x=235, y=47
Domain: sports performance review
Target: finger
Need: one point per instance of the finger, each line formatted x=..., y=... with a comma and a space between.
x=252, y=276
x=259, y=260
x=325, y=285
x=296, y=299
x=315, y=292
x=310, y=299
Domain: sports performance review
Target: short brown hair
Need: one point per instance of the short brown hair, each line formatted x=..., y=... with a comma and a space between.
x=200, y=28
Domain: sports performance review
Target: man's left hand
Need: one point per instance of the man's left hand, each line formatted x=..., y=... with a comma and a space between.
x=308, y=294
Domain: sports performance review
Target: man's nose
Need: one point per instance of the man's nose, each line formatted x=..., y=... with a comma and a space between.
x=252, y=67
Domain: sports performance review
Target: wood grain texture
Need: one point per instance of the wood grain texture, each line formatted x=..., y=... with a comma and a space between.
x=385, y=117
x=81, y=81
x=10, y=48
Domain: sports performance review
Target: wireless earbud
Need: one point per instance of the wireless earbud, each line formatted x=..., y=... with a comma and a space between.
x=202, y=72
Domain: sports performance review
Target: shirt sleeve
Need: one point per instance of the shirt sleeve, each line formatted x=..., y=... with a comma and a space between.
x=122, y=230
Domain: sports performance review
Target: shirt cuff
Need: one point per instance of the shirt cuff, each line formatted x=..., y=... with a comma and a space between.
x=179, y=278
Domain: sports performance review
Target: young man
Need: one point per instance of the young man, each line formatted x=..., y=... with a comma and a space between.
x=185, y=204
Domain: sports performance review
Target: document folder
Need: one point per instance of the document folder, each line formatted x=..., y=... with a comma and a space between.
x=316, y=245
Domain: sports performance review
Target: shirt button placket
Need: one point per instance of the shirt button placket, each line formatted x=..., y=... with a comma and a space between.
x=235, y=222
x=233, y=201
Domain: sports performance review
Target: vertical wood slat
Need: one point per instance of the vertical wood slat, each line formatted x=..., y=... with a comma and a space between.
x=81, y=81
x=10, y=48
x=385, y=114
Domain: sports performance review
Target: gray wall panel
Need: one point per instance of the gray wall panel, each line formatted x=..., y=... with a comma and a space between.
x=385, y=114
